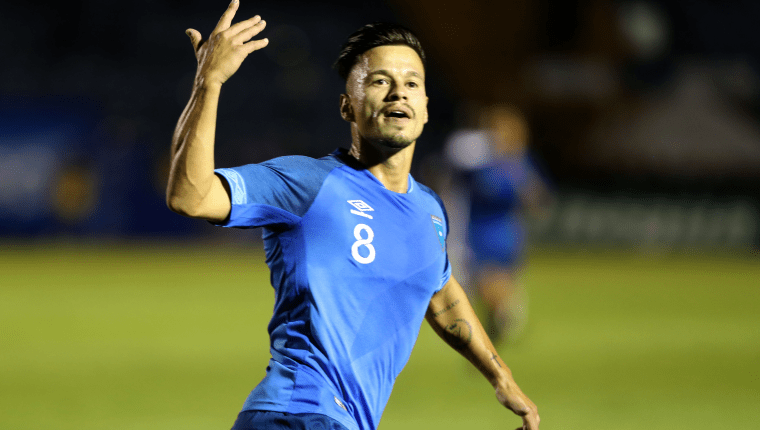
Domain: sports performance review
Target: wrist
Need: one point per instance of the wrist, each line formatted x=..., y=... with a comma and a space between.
x=204, y=82
x=502, y=378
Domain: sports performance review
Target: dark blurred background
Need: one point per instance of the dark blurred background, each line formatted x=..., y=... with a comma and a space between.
x=643, y=114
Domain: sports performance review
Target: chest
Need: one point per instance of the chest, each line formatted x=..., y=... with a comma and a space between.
x=355, y=226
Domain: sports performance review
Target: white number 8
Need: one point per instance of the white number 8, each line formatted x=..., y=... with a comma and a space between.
x=363, y=242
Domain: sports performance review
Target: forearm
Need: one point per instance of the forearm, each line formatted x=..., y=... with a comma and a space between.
x=191, y=174
x=452, y=317
x=194, y=190
x=454, y=320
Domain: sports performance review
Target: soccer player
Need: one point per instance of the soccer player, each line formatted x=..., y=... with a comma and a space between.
x=355, y=246
x=504, y=185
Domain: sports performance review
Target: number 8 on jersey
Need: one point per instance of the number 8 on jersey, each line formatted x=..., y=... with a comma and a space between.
x=362, y=242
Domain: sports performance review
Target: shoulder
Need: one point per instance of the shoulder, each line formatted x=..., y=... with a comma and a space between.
x=261, y=192
x=303, y=163
x=290, y=169
x=424, y=188
x=432, y=194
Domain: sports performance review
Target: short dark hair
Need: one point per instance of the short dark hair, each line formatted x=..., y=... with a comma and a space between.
x=371, y=36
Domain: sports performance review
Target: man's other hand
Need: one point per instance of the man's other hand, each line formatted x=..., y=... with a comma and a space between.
x=510, y=395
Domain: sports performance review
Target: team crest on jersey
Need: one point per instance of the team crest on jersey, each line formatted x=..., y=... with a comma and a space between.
x=360, y=208
x=438, y=224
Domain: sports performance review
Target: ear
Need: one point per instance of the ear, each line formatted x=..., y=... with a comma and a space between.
x=425, y=117
x=346, y=110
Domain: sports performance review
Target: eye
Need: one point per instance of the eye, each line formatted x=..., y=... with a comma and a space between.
x=412, y=85
x=381, y=81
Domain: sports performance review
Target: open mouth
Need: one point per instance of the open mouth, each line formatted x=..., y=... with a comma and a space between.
x=396, y=114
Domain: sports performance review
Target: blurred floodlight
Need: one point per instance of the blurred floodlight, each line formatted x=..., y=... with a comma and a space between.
x=645, y=26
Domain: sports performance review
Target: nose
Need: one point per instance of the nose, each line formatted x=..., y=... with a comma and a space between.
x=397, y=92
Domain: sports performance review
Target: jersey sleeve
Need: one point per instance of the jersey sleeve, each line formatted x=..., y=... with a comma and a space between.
x=276, y=192
x=446, y=274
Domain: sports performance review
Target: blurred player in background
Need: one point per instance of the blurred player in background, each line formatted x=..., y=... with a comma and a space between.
x=356, y=247
x=502, y=184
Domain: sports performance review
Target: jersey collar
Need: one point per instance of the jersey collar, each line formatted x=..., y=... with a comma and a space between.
x=343, y=155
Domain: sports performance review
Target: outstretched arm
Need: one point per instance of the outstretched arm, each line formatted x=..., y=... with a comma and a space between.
x=452, y=317
x=193, y=189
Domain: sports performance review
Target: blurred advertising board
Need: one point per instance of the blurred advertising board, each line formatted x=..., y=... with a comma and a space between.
x=69, y=168
x=38, y=140
x=586, y=218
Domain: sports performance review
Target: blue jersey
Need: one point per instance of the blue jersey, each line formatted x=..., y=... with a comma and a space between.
x=354, y=267
x=496, y=233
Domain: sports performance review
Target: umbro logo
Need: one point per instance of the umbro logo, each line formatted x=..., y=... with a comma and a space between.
x=360, y=208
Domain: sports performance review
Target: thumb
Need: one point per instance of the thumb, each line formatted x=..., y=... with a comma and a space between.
x=195, y=37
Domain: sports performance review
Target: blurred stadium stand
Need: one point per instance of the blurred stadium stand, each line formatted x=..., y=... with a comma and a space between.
x=645, y=113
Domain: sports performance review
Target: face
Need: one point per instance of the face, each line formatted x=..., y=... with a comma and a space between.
x=508, y=128
x=385, y=96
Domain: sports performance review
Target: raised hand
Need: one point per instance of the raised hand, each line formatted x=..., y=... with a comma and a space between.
x=221, y=55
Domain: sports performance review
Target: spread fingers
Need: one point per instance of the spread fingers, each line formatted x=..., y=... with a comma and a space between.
x=226, y=19
x=247, y=29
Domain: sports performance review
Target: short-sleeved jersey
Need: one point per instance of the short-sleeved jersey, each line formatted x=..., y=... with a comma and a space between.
x=354, y=266
x=496, y=233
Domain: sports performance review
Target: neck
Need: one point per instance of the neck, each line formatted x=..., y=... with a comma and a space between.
x=390, y=166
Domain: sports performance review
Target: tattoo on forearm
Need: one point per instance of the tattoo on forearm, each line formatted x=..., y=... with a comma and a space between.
x=447, y=308
x=458, y=334
x=495, y=358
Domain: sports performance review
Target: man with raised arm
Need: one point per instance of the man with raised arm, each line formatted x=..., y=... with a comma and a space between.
x=356, y=247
